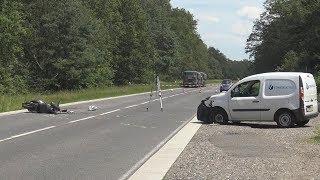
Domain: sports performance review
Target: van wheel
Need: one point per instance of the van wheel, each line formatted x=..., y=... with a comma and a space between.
x=219, y=116
x=302, y=123
x=285, y=119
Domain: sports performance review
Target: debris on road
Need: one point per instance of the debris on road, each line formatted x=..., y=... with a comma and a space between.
x=93, y=108
x=39, y=106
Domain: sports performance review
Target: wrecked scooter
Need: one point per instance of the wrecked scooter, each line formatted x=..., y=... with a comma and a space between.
x=38, y=106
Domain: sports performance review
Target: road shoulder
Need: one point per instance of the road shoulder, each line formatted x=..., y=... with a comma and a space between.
x=249, y=151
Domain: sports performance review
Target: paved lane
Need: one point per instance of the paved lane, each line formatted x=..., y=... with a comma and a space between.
x=104, y=146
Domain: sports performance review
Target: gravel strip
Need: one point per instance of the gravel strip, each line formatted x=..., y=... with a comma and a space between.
x=249, y=151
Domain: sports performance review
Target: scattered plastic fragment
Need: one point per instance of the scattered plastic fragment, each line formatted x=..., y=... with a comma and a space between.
x=93, y=108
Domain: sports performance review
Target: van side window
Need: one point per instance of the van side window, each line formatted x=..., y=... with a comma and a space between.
x=247, y=89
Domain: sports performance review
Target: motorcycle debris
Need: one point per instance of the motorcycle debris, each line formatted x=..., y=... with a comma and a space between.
x=93, y=108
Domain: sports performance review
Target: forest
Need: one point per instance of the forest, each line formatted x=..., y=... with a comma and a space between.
x=77, y=44
x=287, y=37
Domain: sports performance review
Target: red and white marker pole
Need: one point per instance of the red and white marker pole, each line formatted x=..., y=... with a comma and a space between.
x=160, y=93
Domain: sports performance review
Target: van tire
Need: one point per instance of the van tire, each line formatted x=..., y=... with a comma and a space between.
x=219, y=116
x=285, y=119
x=302, y=123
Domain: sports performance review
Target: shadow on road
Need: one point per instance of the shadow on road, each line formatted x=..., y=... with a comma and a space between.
x=255, y=125
x=263, y=126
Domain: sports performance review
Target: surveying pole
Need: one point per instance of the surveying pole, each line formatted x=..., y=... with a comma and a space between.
x=151, y=94
x=160, y=93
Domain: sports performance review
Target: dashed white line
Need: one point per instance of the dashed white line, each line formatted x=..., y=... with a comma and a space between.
x=143, y=103
x=27, y=133
x=131, y=106
x=110, y=112
x=83, y=119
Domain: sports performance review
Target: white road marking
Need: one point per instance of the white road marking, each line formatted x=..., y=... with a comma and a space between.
x=133, y=125
x=110, y=112
x=143, y=103
x=125, y=124
x=83, y=119
x=27, y=133
x=131, y=106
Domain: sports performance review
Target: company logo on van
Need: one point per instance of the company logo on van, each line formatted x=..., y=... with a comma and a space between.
x=272, y=87
x=310, y=86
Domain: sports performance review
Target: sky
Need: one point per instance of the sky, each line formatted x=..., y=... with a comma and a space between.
x=224, y=24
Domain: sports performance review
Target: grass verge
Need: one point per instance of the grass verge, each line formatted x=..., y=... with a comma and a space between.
x=316, y=139
x=214, y=81
x=13, y=102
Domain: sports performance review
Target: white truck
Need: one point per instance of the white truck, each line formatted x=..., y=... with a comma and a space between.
x=287, y=98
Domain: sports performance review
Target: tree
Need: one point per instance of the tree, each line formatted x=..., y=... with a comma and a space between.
x=75, y=44
x=286, y=26
x=12, y=31
x=135, y=47
x=67, y=49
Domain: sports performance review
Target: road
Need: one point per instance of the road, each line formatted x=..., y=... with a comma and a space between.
x=102, y=144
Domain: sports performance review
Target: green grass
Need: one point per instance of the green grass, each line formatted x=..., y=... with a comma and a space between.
x=13, y=102
x=316, y=139
x=214, y=81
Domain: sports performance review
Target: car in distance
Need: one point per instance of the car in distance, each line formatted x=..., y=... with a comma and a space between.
x=225, y=85
x=287, y=98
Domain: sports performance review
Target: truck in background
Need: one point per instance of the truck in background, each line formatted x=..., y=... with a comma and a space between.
x=194, y=79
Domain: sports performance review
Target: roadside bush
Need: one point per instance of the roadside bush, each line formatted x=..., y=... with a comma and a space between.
x=317, y=78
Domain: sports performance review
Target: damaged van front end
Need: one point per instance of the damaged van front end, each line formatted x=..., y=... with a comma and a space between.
x=203, y=110
x=206, y=107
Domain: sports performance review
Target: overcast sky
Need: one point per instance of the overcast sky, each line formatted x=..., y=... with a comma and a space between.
x=224, y=24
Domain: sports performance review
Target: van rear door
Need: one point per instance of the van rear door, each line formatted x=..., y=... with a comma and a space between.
x=309, y=94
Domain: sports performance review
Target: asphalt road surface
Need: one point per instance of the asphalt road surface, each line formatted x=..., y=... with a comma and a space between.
x=102, y=144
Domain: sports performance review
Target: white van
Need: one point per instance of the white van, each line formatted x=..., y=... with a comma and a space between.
x=286, y=98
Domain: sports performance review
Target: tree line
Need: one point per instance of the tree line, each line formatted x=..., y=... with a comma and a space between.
x=286, y=37
x=74, y=44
